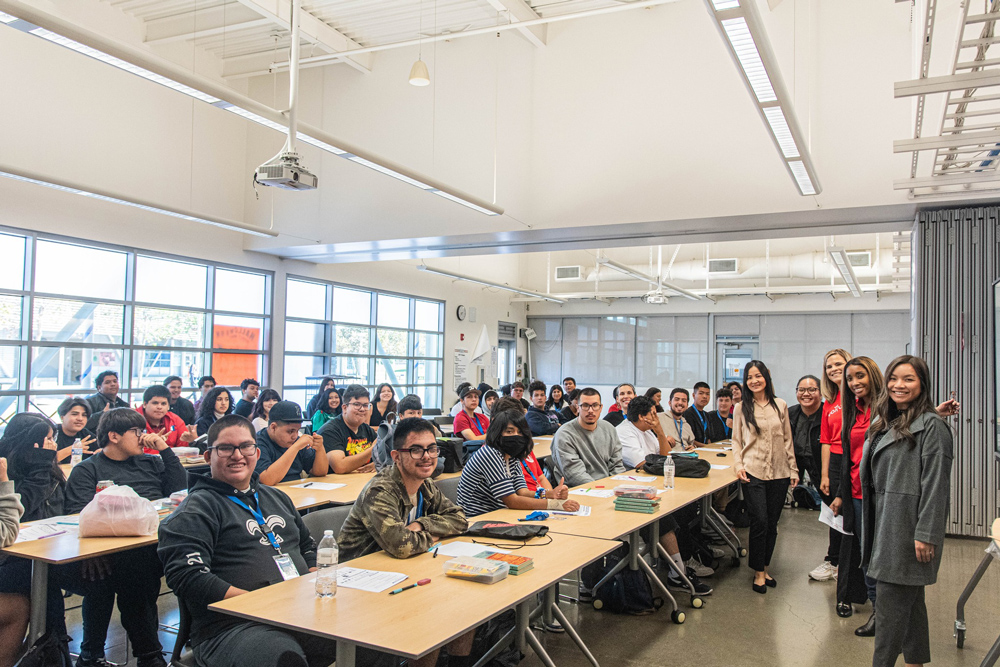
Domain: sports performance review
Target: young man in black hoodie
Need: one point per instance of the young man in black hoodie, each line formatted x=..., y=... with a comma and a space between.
x=540, y=420
x=224, y=540
x=134, y=575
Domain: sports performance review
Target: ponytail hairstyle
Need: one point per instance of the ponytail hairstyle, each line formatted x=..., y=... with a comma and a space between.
x=888, y=413
x=828, y=388
x=848, y=402
x=747, y=400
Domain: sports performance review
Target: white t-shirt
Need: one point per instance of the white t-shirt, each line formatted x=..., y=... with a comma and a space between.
x=636, y=444
x=679, y=430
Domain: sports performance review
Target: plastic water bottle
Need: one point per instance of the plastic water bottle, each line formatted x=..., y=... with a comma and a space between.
x=326, y=566
x=76, y=454
x=668, y=473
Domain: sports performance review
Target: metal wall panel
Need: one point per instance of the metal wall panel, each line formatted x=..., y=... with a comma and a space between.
x=956, y=260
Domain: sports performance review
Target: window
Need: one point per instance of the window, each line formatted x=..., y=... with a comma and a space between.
x=362, y=337
x=85, y=309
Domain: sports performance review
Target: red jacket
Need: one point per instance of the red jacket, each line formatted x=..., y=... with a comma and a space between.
x=174, y=426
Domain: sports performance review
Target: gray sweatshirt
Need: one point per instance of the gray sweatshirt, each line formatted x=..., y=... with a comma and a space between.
x=581, y=456
x=10, y=513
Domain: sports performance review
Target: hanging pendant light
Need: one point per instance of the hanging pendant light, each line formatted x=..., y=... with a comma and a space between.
x=419, y=76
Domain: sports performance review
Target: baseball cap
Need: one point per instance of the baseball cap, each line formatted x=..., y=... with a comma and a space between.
x=470, y=390
x=285, y=411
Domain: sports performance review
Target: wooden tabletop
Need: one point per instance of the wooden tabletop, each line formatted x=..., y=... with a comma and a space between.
x=305, y=498
x=393, y=623
x=543, y=446
x=70, y=547
x=605, y=522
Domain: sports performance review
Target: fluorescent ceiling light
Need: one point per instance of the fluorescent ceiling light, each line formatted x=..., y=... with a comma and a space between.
x=486, y=283
x=725, y=4
x=843, y=264
x=779, y=128
x=389, y=172
x=474, y=207
x=254, y=118
x=7, y=18
x=25, y=177
x=802, y=177
x=638, y=275
x=746, y=52
x=121, y=64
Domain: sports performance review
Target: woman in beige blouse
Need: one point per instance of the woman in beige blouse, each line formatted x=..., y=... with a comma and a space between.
x=765, y=462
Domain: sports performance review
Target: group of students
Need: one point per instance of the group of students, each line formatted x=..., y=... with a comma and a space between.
x=234, y=533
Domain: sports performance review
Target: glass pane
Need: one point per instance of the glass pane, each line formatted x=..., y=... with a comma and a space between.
x=352, y=369
x=10, y=357
x=392, y=371
x=231, y=369
x=305, y=337
x=297, y=368
x=169, y=328
x=427, y=316
x=71, y=367
x=352, y=306
x=298, y=396
x=61, y=268
x=307, y=300
x=12, y=267
x=351, y=340
x=77, y=321
x=46, y=404
x=240, y=291
x=169, y=282
x=391, y=343
x=151, y=367
x=430, y=397
x=427, y=344
x=237, y=333
x=427, y=372
x=10, y=316
x=393, y=311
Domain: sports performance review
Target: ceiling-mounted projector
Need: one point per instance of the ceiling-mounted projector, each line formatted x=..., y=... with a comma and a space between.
x=656, y=298
x=286, y=173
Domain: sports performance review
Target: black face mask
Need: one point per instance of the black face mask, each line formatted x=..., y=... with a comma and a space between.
x=515, y=446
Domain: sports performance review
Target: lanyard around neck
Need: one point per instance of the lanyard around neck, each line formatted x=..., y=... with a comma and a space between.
x=702, y=420
x=679, y=423
x=528, y=470
x=419, y=508
x=724, y=425
x=259, y=517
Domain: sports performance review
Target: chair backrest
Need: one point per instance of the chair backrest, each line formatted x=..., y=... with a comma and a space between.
x=443, y=420
x=449, y=487
x=432, y=412
x=332, y=518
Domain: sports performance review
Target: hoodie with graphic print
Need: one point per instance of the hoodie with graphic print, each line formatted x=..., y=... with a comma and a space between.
x=211, y=543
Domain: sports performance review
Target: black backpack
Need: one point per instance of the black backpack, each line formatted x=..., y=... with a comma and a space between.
x=684, y=466
x=628, y=591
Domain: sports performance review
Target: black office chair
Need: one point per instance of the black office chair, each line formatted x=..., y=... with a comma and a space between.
x=449, y=487
x=180, y=657
x=332, y=518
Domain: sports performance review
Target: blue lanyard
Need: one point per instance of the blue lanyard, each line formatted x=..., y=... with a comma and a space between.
x=704, y=422
x=420, y=509
x=260, y=519
x=478, y=425
x=528, y=470
x=725, y=428
x=679, y=423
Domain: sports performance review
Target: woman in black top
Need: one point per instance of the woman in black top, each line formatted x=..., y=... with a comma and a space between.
x=32, y=464
x=557, y=400
x=383, y=402
x=216, y=404
x=314, y=402
x=74, y=413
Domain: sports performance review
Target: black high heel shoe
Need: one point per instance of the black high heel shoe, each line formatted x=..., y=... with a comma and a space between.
x=845, y=610
x=770, y=582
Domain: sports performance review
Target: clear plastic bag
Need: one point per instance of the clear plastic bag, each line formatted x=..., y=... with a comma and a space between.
x=118, y=511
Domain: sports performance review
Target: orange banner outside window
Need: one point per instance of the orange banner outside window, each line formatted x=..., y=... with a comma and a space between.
x=231, y=369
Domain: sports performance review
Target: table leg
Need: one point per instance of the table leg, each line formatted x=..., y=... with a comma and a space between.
x=526, y=637
x=550, y=602
x=571, y=631
x=345, y=653
x=992, y=655
x=728, y=535
x=39, y=599
x=966, y=594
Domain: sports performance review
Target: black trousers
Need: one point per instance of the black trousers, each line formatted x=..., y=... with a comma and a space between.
x=765, y=500
x=836, y=537
x=900, y=625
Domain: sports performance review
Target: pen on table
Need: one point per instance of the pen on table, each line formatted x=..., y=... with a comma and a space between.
x=436, y=550
x=422, y=582
x=307, y=485
x=61, y=532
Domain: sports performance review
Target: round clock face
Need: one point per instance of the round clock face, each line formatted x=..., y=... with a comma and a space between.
x=461, y=312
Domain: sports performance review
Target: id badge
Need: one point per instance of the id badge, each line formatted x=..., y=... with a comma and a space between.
x=286, y=566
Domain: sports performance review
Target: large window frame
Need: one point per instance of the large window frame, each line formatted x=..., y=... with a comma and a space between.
x=20, y=396
x=377, y=361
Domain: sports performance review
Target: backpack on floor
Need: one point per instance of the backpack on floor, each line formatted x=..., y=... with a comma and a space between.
x=628, y=592
x=806, y=497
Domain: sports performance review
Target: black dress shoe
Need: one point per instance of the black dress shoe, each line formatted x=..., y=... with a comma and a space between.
x=868, y=629
x=845, y=610
x=760, y=589
x=772, y=583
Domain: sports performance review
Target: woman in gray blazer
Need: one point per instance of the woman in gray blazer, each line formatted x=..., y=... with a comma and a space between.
x=906, y=480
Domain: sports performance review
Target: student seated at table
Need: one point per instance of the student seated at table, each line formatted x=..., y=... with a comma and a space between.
x=720, y=421
x=179, y=405
x=457, y=407
x=492, y=477
x=534, y=476
x=133, y=575
x=10, y=508
x=487, y=400
x=403, y=513
x=159, y=420
x=622, y=394
x=572, y=409
x=470, y=423
x=32, y=467
x=517, y=392
x=410, y=406
x=587, y=448
x=678, y=430
x=105, y=399
x=206, y=383
x=541, y=420
x=209, y=554
x=326, y=383
x=329, y=406
x=250, y=388
x=262, y=408
x=73, y=413
x=348, y=438
x=217, y=403
x=283, y=453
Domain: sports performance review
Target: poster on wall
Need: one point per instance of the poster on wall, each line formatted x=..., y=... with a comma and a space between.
x=231, y=369
x=461, y=365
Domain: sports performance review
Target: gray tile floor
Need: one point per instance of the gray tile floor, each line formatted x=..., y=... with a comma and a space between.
x=792, y=625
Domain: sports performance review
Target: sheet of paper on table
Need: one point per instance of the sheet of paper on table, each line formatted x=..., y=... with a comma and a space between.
x=583, y=511
x=42, y=530
x=593, y=493
x=319, y=486
x=371, y=581
x=456, y=549
x=712, y=449
x=634, y=478
x=718, y=466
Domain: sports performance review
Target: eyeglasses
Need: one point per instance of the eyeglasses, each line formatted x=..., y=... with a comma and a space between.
x=138, y=431
x=363, y=407
x=590, y=406
x=806, y=390
x=226, y=451
x=418, y=452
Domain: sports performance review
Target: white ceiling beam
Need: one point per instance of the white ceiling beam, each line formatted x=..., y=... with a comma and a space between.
x=948, y=83
x=324, y=35
x=518, y=11
x=950, y=141
x=990, y=176
x=205, y=23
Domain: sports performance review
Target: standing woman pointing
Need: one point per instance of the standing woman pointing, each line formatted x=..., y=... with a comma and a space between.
x=906, y=484
x=765, y=462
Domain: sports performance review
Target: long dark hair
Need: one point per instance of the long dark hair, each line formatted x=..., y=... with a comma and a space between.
x=324, y=402
x=748, y=405
x=848, y=402
x=23, y=432
x=885, y=409
x=650, y=393
x=551, y=403
x=322, y=387
x=377, y=396
x=207, y=408
x=258, y=407
x=499, y=424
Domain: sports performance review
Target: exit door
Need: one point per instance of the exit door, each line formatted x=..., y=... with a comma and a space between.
x=731, y=358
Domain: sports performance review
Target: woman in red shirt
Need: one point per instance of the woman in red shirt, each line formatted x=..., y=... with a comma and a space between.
x=864, y=382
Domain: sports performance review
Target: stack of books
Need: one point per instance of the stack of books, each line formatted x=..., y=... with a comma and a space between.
x=640, y=505
x=518, y=564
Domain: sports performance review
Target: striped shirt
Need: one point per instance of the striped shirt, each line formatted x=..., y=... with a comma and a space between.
x=486, y=478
